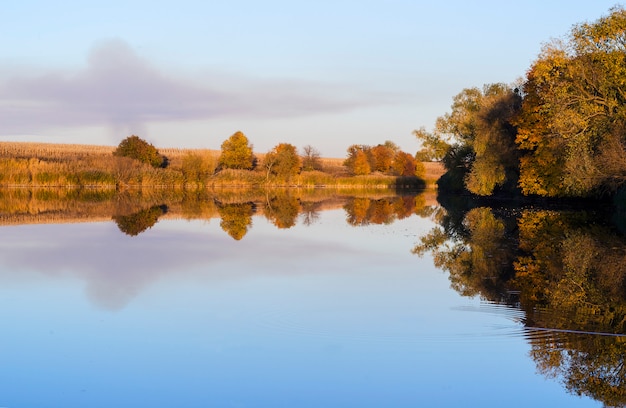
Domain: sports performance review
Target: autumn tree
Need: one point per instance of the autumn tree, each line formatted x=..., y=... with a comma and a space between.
x=405, y=165
x=480, y=125
x=311, y=159
x=380, y=158
x=357, y=161
x=282, y=161
x=236, y=153
x=138, y=149
x=573, y=116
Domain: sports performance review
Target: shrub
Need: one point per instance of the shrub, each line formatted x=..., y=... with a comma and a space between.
x=136, y=148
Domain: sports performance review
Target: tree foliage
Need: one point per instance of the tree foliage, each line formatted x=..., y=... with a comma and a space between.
x=561, y=132
x=138, y=149
x=481, y=155
x=574, y=115
x=237, y=153
x=283, y=161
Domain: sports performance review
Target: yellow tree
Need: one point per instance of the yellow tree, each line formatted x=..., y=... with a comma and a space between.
x=574, y=115
x=237, y=153
x=283, y=161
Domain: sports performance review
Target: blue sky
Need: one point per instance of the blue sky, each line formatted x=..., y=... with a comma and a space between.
x=191, y=73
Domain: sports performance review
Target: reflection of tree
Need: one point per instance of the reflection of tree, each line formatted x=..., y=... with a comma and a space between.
x=588, y=365
x=236, y=218
x=476, y=254
x=310, y=213
x=136, y=223
x=576, y=268
x=282, y=210
x=570, y=272
x=364, y=211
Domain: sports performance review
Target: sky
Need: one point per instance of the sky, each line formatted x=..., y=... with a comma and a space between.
x=329, y=74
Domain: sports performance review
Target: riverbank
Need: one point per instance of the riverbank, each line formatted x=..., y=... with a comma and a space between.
x=28, y=164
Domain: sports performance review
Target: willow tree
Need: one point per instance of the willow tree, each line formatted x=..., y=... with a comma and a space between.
x=572, y=128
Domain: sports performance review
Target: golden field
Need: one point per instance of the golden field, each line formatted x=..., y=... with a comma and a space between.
x=29, y=164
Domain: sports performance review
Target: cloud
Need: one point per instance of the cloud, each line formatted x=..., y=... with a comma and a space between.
x=115, y=268
x=118, y=88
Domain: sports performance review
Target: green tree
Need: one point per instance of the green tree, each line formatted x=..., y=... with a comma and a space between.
x=136, y=148
x=236, y=153
x=434, y=147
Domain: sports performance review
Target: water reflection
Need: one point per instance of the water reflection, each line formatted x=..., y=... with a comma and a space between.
x=247, y=298
x=136, y=223
x=136, y=211
x=565, y=268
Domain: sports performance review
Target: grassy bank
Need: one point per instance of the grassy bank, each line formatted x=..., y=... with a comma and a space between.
x=88, y=166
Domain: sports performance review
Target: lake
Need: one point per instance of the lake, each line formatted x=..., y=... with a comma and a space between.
x=288, y=301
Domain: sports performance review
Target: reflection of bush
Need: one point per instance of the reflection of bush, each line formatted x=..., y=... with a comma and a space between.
x=236, y=218
x=135, y=224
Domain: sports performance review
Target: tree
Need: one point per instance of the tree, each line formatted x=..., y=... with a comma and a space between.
x=237, y=153
x=434, y=148
x=311, y=159
x=571, y=128
x=282, y=161
x=358, y=161
x=136, y=148
x=405, y=164
x=480, y=136
x=381, y=157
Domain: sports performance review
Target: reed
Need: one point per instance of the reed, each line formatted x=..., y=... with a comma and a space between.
x=28, y=164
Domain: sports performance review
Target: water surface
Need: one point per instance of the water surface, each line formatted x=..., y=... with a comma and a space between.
x=331, y=312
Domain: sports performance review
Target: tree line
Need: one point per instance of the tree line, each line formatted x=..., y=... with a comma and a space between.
x=283, y=162
x=558, y=132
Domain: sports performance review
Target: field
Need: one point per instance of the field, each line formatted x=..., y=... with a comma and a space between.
x=29, y=164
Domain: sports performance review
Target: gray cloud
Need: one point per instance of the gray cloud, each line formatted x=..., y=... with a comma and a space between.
x=118, y=88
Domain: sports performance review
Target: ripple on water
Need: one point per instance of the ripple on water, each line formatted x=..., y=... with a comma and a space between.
x=284, y=322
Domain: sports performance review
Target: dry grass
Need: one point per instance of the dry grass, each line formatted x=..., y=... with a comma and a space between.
x=76, y=165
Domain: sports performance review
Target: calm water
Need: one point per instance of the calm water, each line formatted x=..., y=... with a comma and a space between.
x=326, y=313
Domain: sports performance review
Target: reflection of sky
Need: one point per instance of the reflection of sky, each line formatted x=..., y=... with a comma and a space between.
x=326, y=315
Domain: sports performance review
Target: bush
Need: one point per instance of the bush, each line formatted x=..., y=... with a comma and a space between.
x=136, y=148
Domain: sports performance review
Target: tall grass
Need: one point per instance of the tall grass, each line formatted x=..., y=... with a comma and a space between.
x=87, y=166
